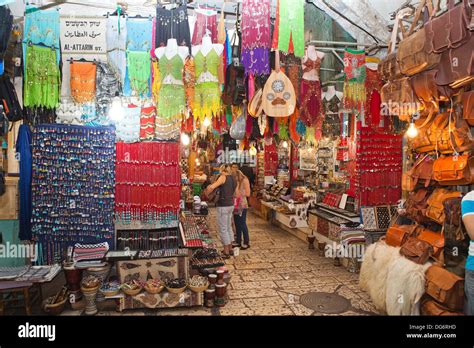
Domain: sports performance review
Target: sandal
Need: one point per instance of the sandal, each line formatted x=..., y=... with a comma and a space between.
x=245, y=246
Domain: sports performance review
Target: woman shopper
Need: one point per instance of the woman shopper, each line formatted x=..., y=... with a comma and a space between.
x=240, y=210
x=225, y=206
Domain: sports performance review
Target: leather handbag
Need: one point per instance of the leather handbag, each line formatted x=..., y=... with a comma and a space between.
x=456, y=67
x=467, y=99
x=460, y=133
x=399, y=96
x=430, y=307
x=416, y=250
x=433, y=135
x=435, y=210
x=421, y=170
x=428, y=92
x=454, y=170
x=397, y=234
x=445, y=287
x=435, y=239
x=416, y=205
x=450, y=29
x=414, y=51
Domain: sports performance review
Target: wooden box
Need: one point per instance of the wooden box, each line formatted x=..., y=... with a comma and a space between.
x=9, y=201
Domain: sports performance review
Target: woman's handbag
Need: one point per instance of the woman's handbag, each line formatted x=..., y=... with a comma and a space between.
x=397, y=234
x=445, y=287
x=435, y=239
x=416, y=205
x=421, y=170
x=454, y=170
x=467, y=99
x=435, y=210
x=416, y=250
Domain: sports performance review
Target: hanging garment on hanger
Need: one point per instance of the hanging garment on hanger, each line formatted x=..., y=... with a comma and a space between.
x=139, y=72
x=6, y=24
x=373, y=85
x=171, y=97
x=147, y=123
x=139, y=34
x=291, y=26
x=107, y=87
x=42, y=78
x=354, y=86
x=207, y=94
x=256, y=39
x=128, y=128
x=116, y=46
x=206, y=20
x=310, y=95
x=41, y=27
x=172, y=24
x=23, y=147
x=83, y=81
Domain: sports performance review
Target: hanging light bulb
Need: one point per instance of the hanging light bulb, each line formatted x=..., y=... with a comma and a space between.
x=253, y=151
x=185, y=140
x=116, y=112
x=412, y=131
x=285, y=144
x=206, y=122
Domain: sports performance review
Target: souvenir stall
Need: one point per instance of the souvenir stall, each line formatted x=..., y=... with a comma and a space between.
x=114, y=122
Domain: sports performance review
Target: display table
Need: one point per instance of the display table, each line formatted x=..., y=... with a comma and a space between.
x=164, y=299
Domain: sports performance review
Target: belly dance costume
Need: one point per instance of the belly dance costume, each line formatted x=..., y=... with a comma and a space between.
x=171, y=98
x=332, y=122
x=172, y=24
x=310, y=96
x=206, y=19
x=354, y=88
x=207, y=93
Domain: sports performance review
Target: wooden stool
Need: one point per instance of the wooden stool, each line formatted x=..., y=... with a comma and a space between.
x=13, y=288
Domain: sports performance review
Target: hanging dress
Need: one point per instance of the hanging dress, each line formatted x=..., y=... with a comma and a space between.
x=83, y=81
x=354, y=88
x=206, y=21
x=116, y=36
x=172, y=24
x=207, y=93
x=332, y=121
x=291, y=26
x=23, y=147
x=310, y=95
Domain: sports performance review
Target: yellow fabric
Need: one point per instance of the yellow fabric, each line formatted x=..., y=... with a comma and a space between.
x=207, y=100
x=155, y=87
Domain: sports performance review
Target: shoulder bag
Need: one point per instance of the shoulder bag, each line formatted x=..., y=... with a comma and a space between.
x=445, y=287
x=467, y=99
x=416, y=205
x=435, y=210
x=454, y=170
x=435, y=239
x=416, y=250
x=421, y=170
x=430, y=307
x=425, y=87
x=397, y=234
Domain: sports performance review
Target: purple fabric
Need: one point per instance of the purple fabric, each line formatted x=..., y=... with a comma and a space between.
x=256, y=61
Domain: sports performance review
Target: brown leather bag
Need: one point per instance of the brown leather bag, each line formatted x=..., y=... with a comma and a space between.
x=445, y=287
x=399, y=97
x=435, y=239
x=467, y=99
x=425, y=87
x=433, y=135
x=430, y=307
x=454, y=170
x=460, y=133
x=435, y=210
x=456, y=67
x=421, y=170
x=397, y=234
x=416, y=205
x=450, y=29
x=415, y=51
x=416, y=250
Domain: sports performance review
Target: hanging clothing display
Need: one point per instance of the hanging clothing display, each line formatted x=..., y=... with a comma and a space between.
x=256, y=39
x=156, y=79
x=310, y=102
x=172, y=24
x=6, y=23
x=206, y=23
x=355, y=70
x=207, y=94
x=139, y=34
x=147, y=123
x=117, y=45
x=41, y=27
x=42, y=78
x=171, y=97
x=23, y=147
x=107, y=87
x=139, y=72
x=291, y=26
x=373, y=86
x=83, y=80
x=128, y=128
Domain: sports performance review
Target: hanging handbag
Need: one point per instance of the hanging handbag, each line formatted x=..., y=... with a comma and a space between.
x=450, y=29
x=467, y=99
x=399, y=97
x=9, y=100
x=234, y=90
x=414, y=51
x=435, y=210
x=430, y=307
x=435, y=239
x=454, y=170
x=460, y=133
x=416, y=250
x=445, y=287
x=421, y=170
x=428, y=92
x=416, y=205
x=397, y=234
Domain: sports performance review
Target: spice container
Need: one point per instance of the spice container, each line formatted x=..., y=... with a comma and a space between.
x=210, y=296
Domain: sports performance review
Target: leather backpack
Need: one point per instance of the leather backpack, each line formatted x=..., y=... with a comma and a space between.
x=416, y=205
x=445, y=287
x=415, y=51
x=416, y=250
x=397, y=234
x=430, y=307
x=435, y=210
x=454, y=170
x=456, y=242
x=421, y=170
x=467, y=99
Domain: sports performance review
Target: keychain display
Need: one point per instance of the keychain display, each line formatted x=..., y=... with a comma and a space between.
x=72, y=188
x=148, y=182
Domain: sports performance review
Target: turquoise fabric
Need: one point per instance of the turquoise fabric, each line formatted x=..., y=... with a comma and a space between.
x=139, y=34
x=9, y=230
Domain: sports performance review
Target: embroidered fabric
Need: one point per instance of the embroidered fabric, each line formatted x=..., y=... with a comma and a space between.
x=116, y=46
x=309, y=65
x=292, y=67
x=373, y=84
x=189, y=79
x=208, y=63
x=147, y=123
x=172, y=24
x=206, y=21
x=139, y=34
x=41, y=27
x=310, y=102
x=256, y=61
x=172, y=102
x=354, y=86
x=156, y=80
x=291, y=25
x=207, y=100
x=173, y=67
x=107, y=87
x=83, y=80
x=331, y=125
x=42, y=78
x=255, y=24
x=139, y=71
x=128, y=129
